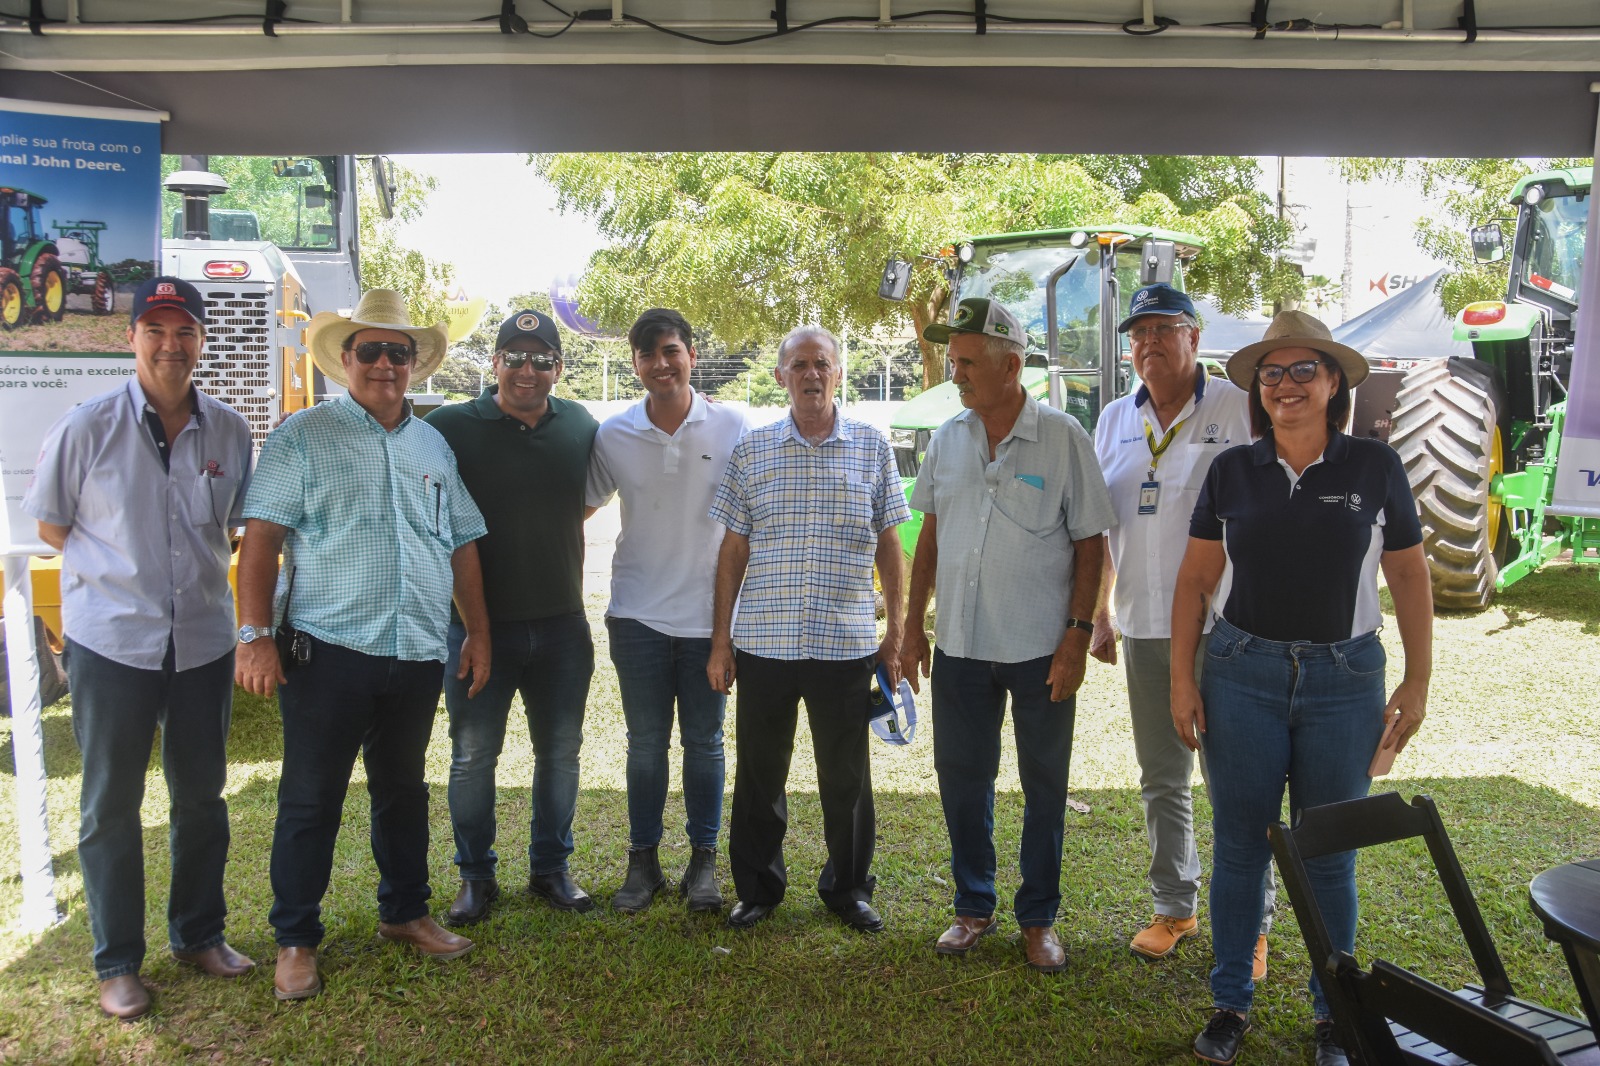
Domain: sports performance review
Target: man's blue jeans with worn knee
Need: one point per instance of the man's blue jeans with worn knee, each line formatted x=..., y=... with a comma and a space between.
x=1310, y=715
x=549, y=661
x=969, y=702
x=116, y=710
x=656, y=671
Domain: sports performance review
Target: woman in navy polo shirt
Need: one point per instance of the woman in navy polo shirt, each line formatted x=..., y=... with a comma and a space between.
x=1291, y=531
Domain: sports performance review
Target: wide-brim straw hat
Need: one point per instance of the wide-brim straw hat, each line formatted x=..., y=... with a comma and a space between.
x=1296, y=329
x=378, y=309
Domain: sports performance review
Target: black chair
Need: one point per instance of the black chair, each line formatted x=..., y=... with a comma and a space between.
x=1368, y=1032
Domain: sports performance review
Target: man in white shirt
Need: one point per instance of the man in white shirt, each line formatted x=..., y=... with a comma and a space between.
x=665, y=455
x=1155, y=447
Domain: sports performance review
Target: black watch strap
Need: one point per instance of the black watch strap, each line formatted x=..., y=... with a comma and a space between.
x=1079, y=623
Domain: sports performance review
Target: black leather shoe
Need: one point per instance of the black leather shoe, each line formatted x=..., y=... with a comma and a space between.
x=560, y=891
x=859, y=916
x=472, y=902
x=1329, y=1053
x=1219, y=1041
x=744, y=915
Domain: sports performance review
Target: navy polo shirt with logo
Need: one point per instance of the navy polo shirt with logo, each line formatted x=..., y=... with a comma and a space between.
x=1303, y=553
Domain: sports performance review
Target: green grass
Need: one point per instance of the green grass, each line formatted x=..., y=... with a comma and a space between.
x=1510, y=752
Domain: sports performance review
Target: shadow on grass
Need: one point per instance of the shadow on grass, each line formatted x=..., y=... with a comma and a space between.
x=1564, y=592
x=60, y=749
x=666, y=986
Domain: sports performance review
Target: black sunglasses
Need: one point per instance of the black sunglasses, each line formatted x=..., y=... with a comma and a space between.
x=540, y=360
x=1303, y=371
x=399, y=353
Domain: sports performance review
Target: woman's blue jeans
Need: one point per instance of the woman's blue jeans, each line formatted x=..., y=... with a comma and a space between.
x=656, y=671
x=1310, y=715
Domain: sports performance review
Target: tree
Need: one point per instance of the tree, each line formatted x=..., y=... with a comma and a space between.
x=750, y=244
x=1470, y=192
x=388, y=264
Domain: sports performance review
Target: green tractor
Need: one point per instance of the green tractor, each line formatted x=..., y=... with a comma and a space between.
x=1480, y=437
x=1069, y=288
x=78, y=247
x=33, y=283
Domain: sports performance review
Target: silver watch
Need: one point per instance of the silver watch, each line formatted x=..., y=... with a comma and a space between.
x=247, y=634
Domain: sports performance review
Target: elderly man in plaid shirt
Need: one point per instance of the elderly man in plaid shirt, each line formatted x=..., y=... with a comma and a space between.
x=810, y=503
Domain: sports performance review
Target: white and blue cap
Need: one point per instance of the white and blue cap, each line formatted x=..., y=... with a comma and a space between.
x=1158, y=299
x=893, y=714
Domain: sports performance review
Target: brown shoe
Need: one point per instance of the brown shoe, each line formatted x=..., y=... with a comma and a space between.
x=296, y=976
x=427, y=936
x=1158, y=939
x=124, y=997
x=219, y=960
x=963, y=934
x=1044, y=951
x=1258, y=965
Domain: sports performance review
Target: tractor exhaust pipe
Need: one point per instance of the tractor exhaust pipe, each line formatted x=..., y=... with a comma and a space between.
x=197, y=186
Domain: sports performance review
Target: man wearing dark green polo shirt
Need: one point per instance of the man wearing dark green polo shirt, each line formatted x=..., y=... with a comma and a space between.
x=524, y=456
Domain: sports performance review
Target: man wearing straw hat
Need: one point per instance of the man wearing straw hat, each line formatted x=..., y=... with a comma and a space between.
x=377, y=531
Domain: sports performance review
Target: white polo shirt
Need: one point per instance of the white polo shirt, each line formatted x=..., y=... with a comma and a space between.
x=1147, y=549
x=666, y=554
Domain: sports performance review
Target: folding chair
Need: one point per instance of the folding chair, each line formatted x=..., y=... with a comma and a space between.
x=1367, y=1033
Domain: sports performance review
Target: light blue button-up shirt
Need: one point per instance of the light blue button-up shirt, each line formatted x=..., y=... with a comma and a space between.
x=813, y=514
x=374, y=517
x=146, y=561
x=1005, y=530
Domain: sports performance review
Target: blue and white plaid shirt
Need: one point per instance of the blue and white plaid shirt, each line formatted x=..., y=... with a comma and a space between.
x=813, y=515
x=374, y=516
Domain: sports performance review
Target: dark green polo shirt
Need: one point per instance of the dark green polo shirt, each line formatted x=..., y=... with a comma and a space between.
x=529, y=483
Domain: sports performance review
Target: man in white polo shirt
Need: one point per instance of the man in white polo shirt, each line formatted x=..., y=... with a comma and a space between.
x=1155, y=447
x=665, y=455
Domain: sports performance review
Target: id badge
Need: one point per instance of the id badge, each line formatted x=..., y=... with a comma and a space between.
x=1148, y=491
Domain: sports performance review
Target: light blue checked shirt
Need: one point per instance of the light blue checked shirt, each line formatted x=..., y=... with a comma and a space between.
x=374, y=516
x=813, y=515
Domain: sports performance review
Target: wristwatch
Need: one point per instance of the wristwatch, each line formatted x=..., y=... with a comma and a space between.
x=248, y=634
x=1079, y=623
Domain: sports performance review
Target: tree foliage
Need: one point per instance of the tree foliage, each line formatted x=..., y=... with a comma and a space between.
x=388, y=264
x=751, y=244
x=1470, y=192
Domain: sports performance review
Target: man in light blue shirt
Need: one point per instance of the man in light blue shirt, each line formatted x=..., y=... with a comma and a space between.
x=810, y=505
x=139, y=489
x=1015, y=507
x=376, y=531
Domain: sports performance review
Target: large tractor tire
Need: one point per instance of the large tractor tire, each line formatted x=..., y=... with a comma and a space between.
x=49, y=288
x=52, y=673
x=1447, y=429
x=11, y=306
x=104, y=299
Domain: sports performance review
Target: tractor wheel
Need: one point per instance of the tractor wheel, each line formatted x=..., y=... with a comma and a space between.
x=52, y=673
x=49, y=288
x=10, y=299
x=104, y=300
x=1447, y=431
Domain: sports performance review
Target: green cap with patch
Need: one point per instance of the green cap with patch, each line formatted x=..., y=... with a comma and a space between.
x=978, y=314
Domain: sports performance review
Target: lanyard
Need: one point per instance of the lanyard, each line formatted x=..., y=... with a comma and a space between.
x=1158, y=450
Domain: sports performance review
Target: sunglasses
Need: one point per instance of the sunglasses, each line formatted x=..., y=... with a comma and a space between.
x=399, y=354
x=1303, y=371
x=540, y=360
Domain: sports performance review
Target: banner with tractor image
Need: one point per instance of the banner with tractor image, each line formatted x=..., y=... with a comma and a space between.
x=79, y=200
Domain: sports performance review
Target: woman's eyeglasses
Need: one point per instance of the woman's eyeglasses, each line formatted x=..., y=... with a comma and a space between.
x=399, y=354
x=1272, y=373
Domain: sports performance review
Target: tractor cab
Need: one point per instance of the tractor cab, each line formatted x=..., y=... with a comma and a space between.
x=33, y=283
x=20, y=228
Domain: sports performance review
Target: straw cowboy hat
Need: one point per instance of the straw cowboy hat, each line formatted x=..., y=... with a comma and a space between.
x=1296, y=329
x=378, y=309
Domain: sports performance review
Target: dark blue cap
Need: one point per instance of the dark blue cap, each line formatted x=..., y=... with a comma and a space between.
x=1158, y=299
x=167, y=292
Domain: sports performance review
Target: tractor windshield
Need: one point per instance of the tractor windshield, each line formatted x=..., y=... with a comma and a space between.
x=21, y=218
x=290, y=201
x=1554, y=259
x=1016, y=277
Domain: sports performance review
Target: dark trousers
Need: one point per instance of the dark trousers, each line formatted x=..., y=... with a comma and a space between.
x=340, y=703
x=770, y=691
x=115, y=712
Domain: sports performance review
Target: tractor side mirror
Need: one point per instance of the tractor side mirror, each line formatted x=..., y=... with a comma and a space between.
x=1488, y=243
x=316, y=195
x=383, y=184
x=1156, y=262
x=896, y=279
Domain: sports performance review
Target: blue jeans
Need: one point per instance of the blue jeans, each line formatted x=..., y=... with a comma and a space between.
x=342, y=703
x=969, y=702
x=115, y=712
x=549, y=661
x=1308, y=714
x=653, y=670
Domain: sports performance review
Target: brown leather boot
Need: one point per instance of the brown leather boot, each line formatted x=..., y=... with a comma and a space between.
x=1044, y=951
x=124, y=997
x=963, y=934
x=218, y=960
x=296, y=976
x=427, y=936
